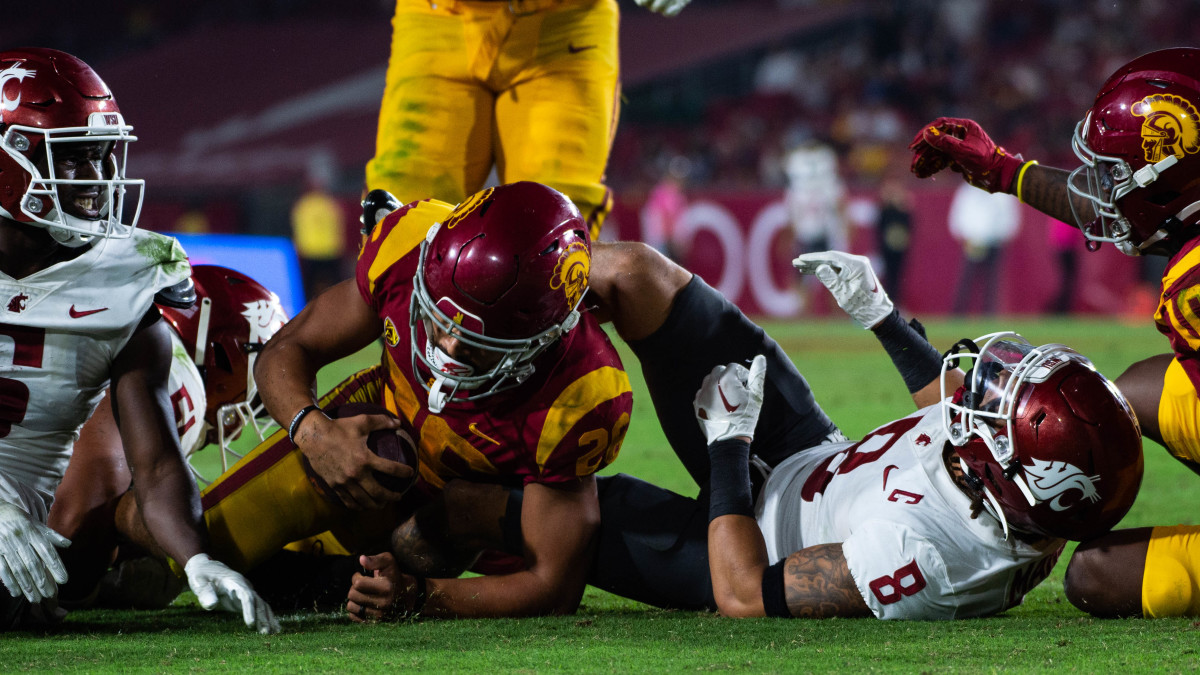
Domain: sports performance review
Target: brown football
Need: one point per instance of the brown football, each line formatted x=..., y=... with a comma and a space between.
x=398, y=445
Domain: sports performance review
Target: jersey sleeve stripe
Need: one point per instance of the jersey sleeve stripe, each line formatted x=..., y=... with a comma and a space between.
x=576, y=401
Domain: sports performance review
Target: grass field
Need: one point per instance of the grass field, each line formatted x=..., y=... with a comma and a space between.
x=856, y=384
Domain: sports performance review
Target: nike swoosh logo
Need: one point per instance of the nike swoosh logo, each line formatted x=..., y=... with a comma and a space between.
x=575, y=50
x=886, y=471
x=725, y=401
x=76, y=314
x=475, y=430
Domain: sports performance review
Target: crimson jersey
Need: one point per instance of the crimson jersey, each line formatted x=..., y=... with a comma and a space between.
x=566, y=421
x=1178, y=314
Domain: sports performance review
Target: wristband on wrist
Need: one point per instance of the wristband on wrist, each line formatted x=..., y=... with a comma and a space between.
x=1021, y=177
x=918, y=362
x=297, y=419
x=773, y=593
x=729, y=479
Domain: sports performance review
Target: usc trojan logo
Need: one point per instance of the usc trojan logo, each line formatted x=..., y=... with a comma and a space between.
x=1050, y=481
x=1171, y=126
x=14, y=72
x=464, y=209
x=571, y=272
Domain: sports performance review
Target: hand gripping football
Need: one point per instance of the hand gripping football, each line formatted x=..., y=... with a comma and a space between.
x=397, y=445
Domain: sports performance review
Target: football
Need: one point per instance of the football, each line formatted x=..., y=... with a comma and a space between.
x=397, y=445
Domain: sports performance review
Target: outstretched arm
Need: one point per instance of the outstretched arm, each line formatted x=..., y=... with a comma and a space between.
x=557, y=526
x=857, y=290
x=334, y=325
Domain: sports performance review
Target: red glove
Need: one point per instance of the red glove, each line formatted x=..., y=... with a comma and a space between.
x=963, y=146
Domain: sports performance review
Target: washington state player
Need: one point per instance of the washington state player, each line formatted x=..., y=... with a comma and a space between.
x=955, y=511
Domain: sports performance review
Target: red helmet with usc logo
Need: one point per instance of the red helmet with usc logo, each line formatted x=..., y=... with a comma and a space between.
x=1140, y=144
x=51, y=104
x=504, y=275
x=1049, y=443
x=232, y=319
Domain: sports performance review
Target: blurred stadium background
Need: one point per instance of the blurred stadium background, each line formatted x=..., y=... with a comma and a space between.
x=241, y=106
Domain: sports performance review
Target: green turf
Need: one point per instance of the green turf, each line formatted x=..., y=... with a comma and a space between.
x=856, y=384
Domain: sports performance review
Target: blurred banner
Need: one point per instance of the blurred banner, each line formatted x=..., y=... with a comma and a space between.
x=742, y=244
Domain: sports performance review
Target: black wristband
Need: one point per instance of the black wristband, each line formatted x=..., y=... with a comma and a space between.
x=729, y=479
x=773, y=594
x=297, y=418
x=918, y=362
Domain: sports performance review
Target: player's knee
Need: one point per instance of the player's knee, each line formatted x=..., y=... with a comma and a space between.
x=1084, y=582
x=1101, y=582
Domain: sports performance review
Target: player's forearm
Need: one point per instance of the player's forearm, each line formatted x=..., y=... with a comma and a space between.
x=524, y=593
x=737, y=557
x=170, y=508
x=1045, y=189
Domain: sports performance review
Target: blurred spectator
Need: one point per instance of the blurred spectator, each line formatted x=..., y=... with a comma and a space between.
x=893, y=232
x=1065, y=242
x=815, y=197
x=663, y=208
x=319, y=232
x=984, y=224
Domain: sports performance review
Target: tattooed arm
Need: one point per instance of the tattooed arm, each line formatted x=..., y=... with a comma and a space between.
x=817, y=583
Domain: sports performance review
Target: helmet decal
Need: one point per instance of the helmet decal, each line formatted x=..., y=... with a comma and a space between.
x=1050, y=481
x=464, y=209
x=265, y=317
x=390, y=335
x=11, y=73
x=571, y=272
x=1171, y=126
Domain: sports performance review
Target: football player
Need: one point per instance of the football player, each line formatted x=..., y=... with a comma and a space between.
x=215, y=336
x=953, y=512
x=529, y=86
x=1138, y=189
x=487, y=356
x=79, y=284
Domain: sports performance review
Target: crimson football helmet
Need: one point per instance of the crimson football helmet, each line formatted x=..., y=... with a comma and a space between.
x=232, y=319
x=504, y=275
x=1050, y=443
x=49, y=101
x=1140, y=146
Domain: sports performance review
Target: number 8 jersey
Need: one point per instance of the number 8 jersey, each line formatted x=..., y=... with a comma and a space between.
x=905, y=526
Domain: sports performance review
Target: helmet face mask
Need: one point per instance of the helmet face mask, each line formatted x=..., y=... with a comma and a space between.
x=498, y=284
x=1140, y=148
x=54, y=110
x=1049, y=443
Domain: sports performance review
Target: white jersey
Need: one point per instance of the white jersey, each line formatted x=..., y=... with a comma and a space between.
x=60, y=330
x=905, y=526
x=189, y=401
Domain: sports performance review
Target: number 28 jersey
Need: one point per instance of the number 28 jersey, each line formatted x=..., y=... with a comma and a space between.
x=905, y=527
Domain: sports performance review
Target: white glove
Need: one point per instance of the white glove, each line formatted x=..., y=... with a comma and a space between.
x=215, y=584
x=664, y=7
x=852, y=282
x=29, y=563
x=730, y=399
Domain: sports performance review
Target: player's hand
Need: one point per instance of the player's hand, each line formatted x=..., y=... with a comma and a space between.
x=664, y=7
x=963, y=146
x=852, y=282
x=216, y=585
x=29, y=562
x=337, y=451
x=383, y=593
x=730, y=399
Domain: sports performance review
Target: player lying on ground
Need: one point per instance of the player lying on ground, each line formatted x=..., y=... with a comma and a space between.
x=953, y=512
x=1139, y=189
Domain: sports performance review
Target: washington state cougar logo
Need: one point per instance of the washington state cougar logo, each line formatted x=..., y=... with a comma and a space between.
x=265, y=318
x=1050, y=482
x=17, y=304
x=14, y=72
x=923, y=440
x=571, y=272
x=1171, y=126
